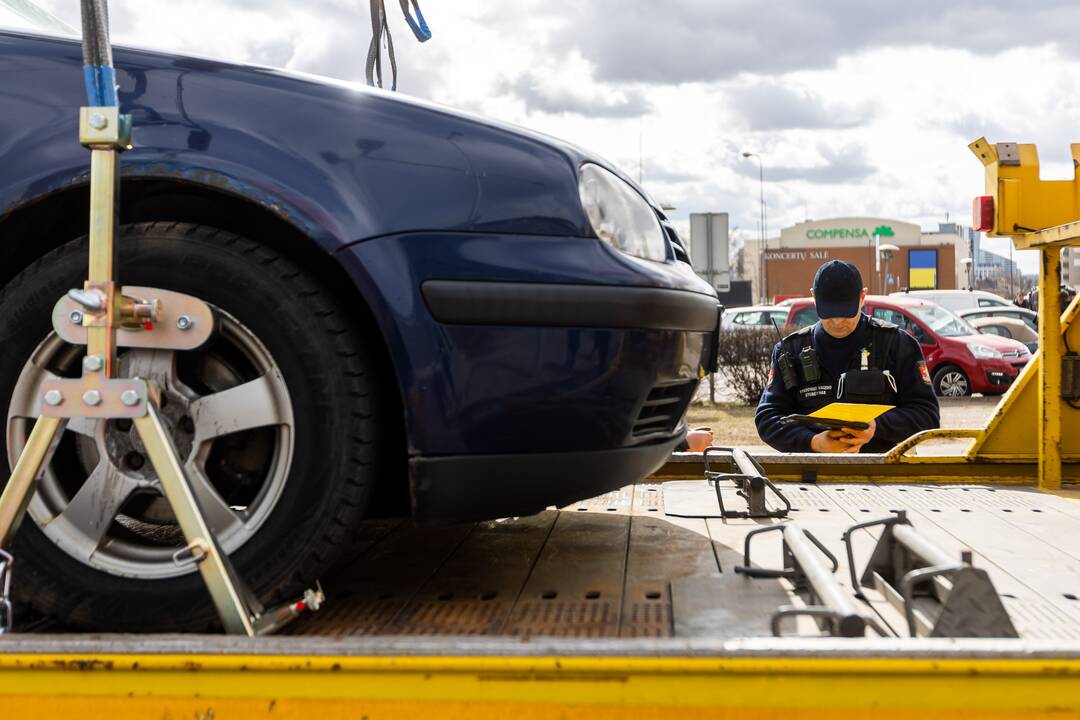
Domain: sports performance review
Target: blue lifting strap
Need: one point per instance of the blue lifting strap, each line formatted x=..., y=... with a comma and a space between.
x=98, y=73
x=380, y=28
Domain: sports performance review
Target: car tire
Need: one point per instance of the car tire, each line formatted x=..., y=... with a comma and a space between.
x=306, y=500
x=951, y=381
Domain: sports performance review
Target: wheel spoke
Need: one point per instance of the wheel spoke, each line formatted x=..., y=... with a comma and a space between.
x=156, y=365
x=26, y=400
x=94, y=507
x=218, y=515
x=244, y=407
x=83, y=426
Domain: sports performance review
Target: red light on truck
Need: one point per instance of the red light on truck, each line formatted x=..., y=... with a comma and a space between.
x=982, y=211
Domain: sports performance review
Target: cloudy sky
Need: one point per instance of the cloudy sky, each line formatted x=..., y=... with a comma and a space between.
x=856, y=107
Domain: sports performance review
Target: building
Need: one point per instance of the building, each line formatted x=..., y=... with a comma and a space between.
x=932, y=260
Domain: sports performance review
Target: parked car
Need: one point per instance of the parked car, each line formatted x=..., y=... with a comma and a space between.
x=1028, y=317
x=961, y=360
x=1009, y=328
x=420, y=310
x=754, y=317
x=958, y=299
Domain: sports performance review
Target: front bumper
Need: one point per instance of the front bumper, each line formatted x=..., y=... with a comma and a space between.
x=477, y=487
x=995, y=376
x=525, y=351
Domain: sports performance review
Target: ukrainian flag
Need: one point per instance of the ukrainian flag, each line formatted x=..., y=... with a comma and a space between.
x=922, y=269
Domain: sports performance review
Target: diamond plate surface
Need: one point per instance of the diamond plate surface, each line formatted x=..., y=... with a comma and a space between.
x=805, y=497
x=565, y=618
x=618, y=502
x=1040, y=620
x=474, y=590
x=648, y=499
x=575, y=588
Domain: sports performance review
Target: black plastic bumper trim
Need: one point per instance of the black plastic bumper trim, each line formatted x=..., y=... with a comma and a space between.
x=465, y=302
x=481, y=487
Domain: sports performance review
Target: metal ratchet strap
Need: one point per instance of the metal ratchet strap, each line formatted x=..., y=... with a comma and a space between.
x=419, y=25
x=379, y=28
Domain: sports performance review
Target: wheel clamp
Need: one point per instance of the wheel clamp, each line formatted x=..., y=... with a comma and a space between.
x=102, y=316
x=750, y=483
x=829, y=604
x=905, y=566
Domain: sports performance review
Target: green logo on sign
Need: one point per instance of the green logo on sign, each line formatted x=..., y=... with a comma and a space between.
x=884, y=231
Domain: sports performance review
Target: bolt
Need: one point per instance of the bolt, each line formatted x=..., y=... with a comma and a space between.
x=130, y=398
x=99, y=121
x=134, y=460
x=75, y=317
x=92, y=397
x=184, y=322
x=54, y=398
x=92, y=363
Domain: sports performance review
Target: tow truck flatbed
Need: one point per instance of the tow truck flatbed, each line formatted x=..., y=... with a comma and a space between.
x=605, y=606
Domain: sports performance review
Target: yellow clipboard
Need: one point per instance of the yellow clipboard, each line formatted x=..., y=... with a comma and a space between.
x=856, y=416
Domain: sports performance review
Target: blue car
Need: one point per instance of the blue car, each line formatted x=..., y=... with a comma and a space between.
x=419, y=311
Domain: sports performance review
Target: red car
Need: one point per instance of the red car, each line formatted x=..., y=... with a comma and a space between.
x=961, y=360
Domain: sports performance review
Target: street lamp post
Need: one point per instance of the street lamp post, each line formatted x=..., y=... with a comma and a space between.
x=886, y=252
x=764, y=227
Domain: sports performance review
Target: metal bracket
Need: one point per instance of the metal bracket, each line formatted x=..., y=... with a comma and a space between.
x=1070, y=377
x=750, y=483
x=104, y=127
x=94, y=397
x=905, y=566
x=181, y=321
x=828, y=601
x=6, y=614
x=1008, y=153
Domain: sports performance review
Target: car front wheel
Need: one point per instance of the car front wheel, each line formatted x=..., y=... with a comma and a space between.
x=950, y=381
x=276, y=421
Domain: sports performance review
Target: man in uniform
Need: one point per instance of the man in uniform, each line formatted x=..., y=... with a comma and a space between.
x=846, y=357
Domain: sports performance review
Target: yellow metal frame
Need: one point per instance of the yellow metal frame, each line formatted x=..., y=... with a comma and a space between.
x=1043, y=215
x=792, y=688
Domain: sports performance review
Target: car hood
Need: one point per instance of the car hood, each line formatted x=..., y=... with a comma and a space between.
x=329, y=156
x=1001, y=344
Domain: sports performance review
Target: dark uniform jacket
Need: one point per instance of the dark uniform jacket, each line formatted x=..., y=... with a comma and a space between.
x=916, y=405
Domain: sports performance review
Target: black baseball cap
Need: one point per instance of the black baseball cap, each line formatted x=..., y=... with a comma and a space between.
x=837, y=288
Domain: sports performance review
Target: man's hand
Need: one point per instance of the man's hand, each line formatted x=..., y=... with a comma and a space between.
x=846, y=440
x=828, y=441
x=698, y=439
x=855, y=439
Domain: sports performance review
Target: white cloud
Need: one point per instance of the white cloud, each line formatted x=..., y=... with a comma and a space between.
x=853, y=113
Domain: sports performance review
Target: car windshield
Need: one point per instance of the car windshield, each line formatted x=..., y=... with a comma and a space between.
x=942, y=322
x=25, y=15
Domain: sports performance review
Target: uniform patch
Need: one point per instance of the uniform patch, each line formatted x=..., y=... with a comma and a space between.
x=772, y=374
x=924, y=372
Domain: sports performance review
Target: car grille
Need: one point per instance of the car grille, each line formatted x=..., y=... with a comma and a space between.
x=663, y=409
x=1016, y=358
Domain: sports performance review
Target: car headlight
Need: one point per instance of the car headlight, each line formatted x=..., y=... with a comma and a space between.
x=619, y=214
x=983, y=352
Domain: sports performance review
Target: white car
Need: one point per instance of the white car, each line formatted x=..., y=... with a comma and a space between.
x=956, y=300
x=1029, y=317
x=754, y=317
